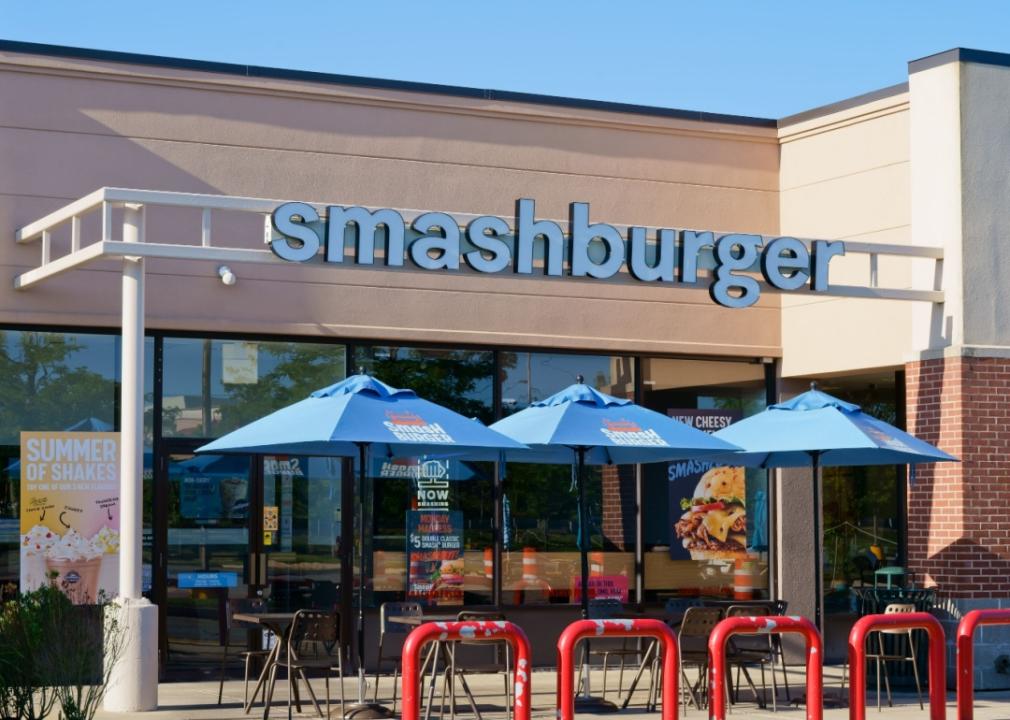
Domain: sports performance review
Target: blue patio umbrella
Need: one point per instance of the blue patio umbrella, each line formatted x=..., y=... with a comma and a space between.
x=350, y=419
x=583, y=425
x=817, y=430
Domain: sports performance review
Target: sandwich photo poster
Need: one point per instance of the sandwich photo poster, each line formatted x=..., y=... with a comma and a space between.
x=435, y=556
x=708, y=502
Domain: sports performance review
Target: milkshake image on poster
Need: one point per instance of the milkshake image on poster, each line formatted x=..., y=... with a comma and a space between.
x=34, y=546
x=108, y=577
x=73, y=564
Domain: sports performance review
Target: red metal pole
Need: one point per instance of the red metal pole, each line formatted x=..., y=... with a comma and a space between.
x=581, y=629
x=761, y=625
x=966, y=655
x=897, y=621
x=491, y=631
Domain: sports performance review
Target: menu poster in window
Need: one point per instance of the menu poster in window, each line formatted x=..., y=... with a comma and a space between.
x=708, y=502
x=435, y=556
x=70, y=513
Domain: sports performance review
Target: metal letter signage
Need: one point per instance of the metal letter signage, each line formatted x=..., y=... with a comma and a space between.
x=488, y=244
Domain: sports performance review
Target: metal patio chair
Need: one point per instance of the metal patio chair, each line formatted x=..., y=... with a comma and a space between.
x=881, y=657
x=389, y=634
x=232, y=606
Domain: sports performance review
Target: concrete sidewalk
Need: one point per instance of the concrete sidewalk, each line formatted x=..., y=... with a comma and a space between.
x=198, y=701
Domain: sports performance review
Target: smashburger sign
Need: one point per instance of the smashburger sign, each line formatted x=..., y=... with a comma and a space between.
x=489, y=244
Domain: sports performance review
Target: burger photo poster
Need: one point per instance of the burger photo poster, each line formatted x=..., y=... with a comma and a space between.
x=708, y=502
x=435, y=556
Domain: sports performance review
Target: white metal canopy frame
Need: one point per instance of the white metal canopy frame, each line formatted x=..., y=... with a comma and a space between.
x=133, y=686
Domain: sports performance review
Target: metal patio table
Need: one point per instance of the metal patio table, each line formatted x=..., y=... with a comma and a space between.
x=279, y=623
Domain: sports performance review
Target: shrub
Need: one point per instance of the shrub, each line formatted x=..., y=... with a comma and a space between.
x=55, y=654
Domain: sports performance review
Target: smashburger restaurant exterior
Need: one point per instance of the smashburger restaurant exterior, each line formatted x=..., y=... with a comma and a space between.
x=191, y=245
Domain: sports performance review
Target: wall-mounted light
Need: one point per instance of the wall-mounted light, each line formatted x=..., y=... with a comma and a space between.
x=227, y=276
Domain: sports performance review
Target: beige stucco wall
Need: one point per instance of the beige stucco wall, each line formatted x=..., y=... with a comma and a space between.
x=845, y=175
x=68, y=127
x=985, y=141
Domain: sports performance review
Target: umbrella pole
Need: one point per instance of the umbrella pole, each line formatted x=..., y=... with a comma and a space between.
x=586, y=702
x=363, y=710
x=818, y=540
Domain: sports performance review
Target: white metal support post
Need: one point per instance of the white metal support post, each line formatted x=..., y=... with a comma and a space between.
x=133, y=685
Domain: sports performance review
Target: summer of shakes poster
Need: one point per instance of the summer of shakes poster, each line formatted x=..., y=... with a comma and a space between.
x=707, y=502
x=70, y=512
x=435, y=556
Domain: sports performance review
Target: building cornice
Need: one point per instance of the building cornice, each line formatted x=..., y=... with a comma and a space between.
x=130, y=67
x=965, y=55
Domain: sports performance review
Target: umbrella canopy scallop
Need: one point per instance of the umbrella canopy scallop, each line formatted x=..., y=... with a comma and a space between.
x=362, y=410
x=611, y=430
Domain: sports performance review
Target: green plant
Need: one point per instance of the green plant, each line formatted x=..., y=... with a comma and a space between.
x=55, y=654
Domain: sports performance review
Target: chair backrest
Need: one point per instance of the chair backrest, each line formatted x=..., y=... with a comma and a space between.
x=696, y=626
x=604, y=609
x=751, y=643
x=898, y=609
x=895, y=608
x=315, y=630
x=397, y=609
x=482, y=616
x=242, y=605
x=479, y=616
x=755, y=610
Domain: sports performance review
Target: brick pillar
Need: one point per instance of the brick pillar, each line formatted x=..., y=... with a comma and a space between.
x=959, y=513
x=618, y=513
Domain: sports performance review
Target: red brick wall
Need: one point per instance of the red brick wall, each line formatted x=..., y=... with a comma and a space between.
x=619, y=506
x=959, y=513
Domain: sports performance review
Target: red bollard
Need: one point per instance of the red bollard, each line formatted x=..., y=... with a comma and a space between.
x=897, y=621
x=966, y=656
x=582, y=629
x=491, y=631
x=779, y=624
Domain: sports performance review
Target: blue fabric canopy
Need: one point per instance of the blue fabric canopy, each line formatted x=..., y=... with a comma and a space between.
x=815, y=429
x=362, y=410
x=612, y=430
x=789, y=433
x=349, y=419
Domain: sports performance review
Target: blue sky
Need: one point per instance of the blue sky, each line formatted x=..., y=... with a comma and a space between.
x=744, y=57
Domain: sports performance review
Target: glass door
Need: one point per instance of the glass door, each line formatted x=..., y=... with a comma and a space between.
x=209, y=554
x=302, y=532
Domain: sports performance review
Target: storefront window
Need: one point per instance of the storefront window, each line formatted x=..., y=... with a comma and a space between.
x=52, y=381
x=540, y=554
x=432, y=519
x=706, y=534
x=862, y=529
x=302, y=531
x=212, y=387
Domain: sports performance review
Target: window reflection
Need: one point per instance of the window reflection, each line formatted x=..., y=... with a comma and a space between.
x=540, y=556
x=862, y=529
x=52, y=381
x=212, y=387
x=705, y=528
x=432, y=519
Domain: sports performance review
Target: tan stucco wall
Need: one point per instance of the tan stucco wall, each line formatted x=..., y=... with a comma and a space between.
x=68, y=127
x=845, y=176
x=985, y=142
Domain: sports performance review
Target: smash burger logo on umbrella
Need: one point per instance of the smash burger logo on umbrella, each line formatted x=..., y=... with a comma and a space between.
x=409, y=427
x=625, y=432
